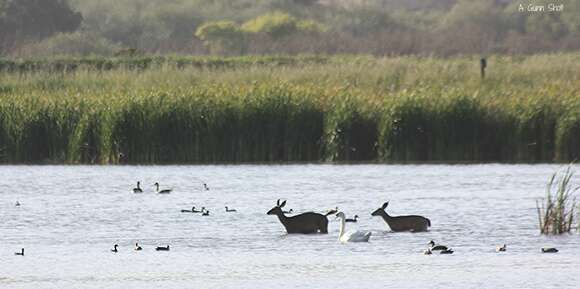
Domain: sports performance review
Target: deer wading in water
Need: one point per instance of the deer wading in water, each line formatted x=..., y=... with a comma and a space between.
x=410, y=223
x=306, y=223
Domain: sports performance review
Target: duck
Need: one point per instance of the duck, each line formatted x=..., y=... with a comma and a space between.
x=331, y=211
x=435, y=247
x=137, y=247
x=205, y=187
x=446, y=251
x=138, y=188
x=230, y=210
x=114, y=250
x=353, y=220
x=166, y=191
x=205, y=213
x=549, y=250
x=190, y=211
x=162, y=248
x=17, y=204
x=354, y=236
x=288, y=212
x=502, y=248
x=21, y=253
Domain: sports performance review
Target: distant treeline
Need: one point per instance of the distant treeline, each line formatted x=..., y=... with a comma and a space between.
x=403, y=109
x=242, y=27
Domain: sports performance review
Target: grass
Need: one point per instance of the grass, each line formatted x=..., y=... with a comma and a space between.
x=286, y=109
x=556, y=214
x=71, y=64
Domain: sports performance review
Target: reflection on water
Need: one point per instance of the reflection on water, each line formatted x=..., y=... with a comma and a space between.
x=70, y=217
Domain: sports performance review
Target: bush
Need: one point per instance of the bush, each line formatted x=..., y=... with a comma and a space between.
x=36, y=19
x=221, y=37
x=278, y=25
x=76, y=43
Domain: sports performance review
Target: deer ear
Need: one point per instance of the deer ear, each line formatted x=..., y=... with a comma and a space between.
x=278, y=203
x=385, y=205
x=283, y=204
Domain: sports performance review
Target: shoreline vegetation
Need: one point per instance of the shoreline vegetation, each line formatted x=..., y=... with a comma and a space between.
x=174, y=109
x=556, y=212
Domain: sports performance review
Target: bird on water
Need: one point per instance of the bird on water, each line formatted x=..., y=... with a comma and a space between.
x=138, y=188
x=549, y=250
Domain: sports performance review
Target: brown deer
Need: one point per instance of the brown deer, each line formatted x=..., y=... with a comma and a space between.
x=411, y=223
x=305, y=223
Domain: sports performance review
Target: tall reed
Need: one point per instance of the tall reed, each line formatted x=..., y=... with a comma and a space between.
x=285, y=109
x=556, y=213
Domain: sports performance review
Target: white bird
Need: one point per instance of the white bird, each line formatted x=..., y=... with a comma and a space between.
x=549, y=250
x=501, y=248
x=351, y=236
x=166, y=191
x=288, y=212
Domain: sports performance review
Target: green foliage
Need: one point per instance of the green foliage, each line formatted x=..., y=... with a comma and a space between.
x=221, y=36
x=310, y=26
x=380, y=27
x=278, y=25
x=253, y=109
x=479, y=13
x=556, y=215
x=76, y=43
x=217, y=30
x=363, y=21
x=35, y=19
x=137, y=63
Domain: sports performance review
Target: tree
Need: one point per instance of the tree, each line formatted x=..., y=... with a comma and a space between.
x=475, y=26
x=278, y=25
x=22, y=20
x=221, y=36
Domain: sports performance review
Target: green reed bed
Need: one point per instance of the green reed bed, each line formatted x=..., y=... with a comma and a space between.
x=139, y=62
x=556, y=213
x=348, y=108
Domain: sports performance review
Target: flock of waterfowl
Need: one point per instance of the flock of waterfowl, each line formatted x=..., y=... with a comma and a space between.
x=114, y=250
x=311, y=222
x=139, y=248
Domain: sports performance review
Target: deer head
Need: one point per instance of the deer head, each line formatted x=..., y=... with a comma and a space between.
x=380, y=210
x=277, y=210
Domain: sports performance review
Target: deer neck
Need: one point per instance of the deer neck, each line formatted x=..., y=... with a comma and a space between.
x=385, y=216
x=283, y=219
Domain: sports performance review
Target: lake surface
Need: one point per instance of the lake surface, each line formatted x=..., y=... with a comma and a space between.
x=70, y=217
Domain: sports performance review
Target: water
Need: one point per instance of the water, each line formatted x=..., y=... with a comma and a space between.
x=71, y=216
